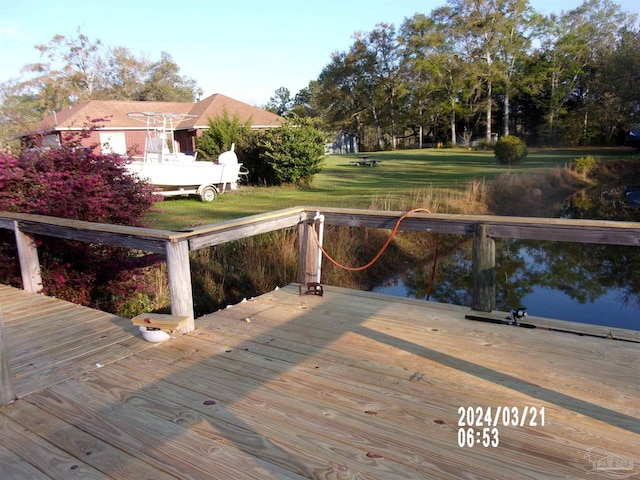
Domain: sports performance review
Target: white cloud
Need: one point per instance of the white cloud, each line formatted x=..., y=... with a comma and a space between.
x=10, y=32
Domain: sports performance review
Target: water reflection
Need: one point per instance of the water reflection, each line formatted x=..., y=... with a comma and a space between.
x=596, y=284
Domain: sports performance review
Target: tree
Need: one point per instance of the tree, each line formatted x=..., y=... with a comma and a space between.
x=281, y=102
x=123, y=74
x=471, y=59
x=19, y=112
x=77, y=69
x=530, y=98
x=614, y=89
x=336, y=95
x=434, y=71
x=383, y=41
x=473, y=24
x=415, y=46
x=293, y=151
x=163, y=83
x=376, y=60
x=364, y=86
x=71, y=72
x=572, y=43
x=513, y=47
x=223, y=132
x=304, y=102
x=490, y=36
x=362, y=79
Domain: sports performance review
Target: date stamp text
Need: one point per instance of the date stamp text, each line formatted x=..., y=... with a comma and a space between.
x=481, y=425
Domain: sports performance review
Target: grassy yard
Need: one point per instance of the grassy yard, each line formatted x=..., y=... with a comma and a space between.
x=401, y=173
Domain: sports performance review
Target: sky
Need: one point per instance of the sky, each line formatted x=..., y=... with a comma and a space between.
x=245, y=49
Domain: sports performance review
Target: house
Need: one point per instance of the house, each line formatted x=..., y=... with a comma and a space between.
x=343, y=143
x=121, y=133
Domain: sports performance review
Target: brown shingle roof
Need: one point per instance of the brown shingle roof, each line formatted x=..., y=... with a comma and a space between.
x=115, y=113
x=214, y=106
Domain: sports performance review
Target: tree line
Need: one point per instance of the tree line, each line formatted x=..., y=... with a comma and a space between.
x=477, y=69
x=469, y=70
x=75, y=69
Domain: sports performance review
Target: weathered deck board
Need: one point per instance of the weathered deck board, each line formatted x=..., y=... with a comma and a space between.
x=350, y=385
x=15, y=468
x=47, y=457
x=84, y=448
x=167, y=445
x=50, y=340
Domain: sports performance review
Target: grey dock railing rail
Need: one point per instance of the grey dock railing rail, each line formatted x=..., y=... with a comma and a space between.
x=176, y=245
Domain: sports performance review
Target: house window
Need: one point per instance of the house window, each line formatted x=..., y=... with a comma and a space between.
x=113, y=142
x=52, y=141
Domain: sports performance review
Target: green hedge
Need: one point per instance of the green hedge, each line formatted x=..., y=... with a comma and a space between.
x=510, y=150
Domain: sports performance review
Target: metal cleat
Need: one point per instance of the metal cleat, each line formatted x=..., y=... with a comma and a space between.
x=313, y=288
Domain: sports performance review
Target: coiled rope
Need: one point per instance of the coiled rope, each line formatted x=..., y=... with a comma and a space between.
x=384, y=247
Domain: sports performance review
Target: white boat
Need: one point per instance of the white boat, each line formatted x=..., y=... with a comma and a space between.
x=176, y=173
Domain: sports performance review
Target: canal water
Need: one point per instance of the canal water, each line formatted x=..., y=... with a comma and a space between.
x=583, y=283
x=578, y=282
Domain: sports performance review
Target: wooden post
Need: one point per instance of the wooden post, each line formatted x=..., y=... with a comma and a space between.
x=307, y=253
x=7, y=394
x=484, y=270
x=319, y=226
x=29, y=263
x=180, y=291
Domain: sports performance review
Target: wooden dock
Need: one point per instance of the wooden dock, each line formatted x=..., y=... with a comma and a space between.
x=348, y=385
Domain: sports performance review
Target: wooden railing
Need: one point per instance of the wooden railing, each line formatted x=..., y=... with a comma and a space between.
x=176, y=245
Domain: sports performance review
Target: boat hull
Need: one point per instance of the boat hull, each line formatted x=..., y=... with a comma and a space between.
x=183, y=175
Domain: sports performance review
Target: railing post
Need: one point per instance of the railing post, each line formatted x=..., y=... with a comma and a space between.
x=308, y=253
x=180, y=291
x=319, y=222
x=29, y=263
x=484, y=270
x=7, y=395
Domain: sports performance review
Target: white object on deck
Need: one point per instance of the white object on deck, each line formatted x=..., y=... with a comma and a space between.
x=154, y=336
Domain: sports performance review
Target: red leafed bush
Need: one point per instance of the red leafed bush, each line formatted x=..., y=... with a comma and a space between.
x=76, y=182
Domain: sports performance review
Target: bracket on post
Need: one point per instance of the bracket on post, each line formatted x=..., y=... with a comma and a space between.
x=313, y=288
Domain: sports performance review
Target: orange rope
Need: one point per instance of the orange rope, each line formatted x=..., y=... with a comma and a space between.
x=379, y=254
x=384, y=247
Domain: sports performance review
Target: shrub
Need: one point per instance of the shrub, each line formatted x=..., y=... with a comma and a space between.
x=250, y=149
x=584, y=165
x=75, y=182
x=293, y=151
x=223, y=131
x=510, y=150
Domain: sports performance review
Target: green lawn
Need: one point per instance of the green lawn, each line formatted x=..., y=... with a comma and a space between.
x=342, y=185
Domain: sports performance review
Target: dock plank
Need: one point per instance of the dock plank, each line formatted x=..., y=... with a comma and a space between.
x=282, y=412
x=350, y=385
x=141, y=433
x=15, y=468
x=275, y=441
x=488, y=351
x=50, y=340
x=45, y=456
x=83, y=447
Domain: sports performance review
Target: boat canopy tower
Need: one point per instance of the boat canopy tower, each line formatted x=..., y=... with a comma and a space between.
x=160, y=128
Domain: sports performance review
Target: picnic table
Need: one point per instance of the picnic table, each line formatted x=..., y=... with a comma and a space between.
x=365, y=160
